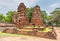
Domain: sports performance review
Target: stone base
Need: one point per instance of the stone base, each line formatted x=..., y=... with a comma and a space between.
x=49, y=35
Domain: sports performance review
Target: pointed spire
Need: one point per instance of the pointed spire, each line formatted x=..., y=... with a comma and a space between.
x=21, y=7
x=37, y=6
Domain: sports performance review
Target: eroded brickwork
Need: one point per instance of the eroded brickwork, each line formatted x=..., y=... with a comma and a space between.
x=36, y=16
x=22, y=18
x=14, y=18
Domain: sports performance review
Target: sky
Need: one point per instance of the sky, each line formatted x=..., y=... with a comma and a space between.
x=12, y=5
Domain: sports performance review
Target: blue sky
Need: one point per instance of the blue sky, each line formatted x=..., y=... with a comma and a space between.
x=11, y=5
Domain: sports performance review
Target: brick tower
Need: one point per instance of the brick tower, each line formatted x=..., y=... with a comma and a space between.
x=22, y=18
x=36, y=16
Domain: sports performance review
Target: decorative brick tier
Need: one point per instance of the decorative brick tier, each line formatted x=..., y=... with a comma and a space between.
x=49, y=35
x=36, y=16
x=22, y=19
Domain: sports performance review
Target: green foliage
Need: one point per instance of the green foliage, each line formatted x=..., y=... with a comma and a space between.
x=30, y=10
x=44, y=16
x=1, y=16
x=7, y=34
x=8, y=17
x=56, y=17
x=49, y=17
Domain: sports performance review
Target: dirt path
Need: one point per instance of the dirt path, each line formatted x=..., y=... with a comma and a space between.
x=29, y=38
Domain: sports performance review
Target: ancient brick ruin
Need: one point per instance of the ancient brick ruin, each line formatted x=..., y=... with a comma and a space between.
x=36, y=16
x=14, y=18
x=21, y=19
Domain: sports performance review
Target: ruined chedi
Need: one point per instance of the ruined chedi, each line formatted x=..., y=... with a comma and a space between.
x=22, y=17
x=36, y=16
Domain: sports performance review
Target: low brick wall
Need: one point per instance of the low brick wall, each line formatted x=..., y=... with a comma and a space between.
x=40, y=34
x=7, y=25
x=4, y=26
x=22, y=32
x=34, y=33
x=9, y=31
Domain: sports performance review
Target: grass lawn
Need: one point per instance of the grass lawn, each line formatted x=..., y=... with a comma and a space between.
x=7, y=34
x=46, y=29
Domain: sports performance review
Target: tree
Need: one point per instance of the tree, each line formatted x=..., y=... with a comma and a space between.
x=30, y=11
x=56, y=17
x=8, y=17
x=1, y=16
x=44, y=16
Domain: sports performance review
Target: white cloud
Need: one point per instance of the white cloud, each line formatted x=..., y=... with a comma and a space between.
x=52, y=7
x=55, y=5
x=29, y=3
x=7, y=5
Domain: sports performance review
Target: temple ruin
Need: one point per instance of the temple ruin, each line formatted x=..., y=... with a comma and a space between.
x=37, y=26
x=21, y=19
x=36, y=16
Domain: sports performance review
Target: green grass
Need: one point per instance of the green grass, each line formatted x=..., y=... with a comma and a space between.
x=31, y=27
x=23, y=29
x=7, y=34
x=45, y=30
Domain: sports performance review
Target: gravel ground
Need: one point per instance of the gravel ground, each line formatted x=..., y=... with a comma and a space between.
x=29, y=38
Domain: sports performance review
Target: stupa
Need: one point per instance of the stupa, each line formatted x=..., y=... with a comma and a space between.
x=36, y=16
x=22, y=18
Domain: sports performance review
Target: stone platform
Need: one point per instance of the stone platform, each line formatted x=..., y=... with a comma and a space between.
x=30, y=31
